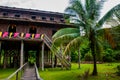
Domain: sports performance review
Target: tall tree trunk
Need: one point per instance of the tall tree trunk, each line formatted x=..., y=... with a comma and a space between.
x=93, y=46
x=79, y=58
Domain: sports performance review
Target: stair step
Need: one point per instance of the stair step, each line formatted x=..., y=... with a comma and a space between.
x=29, y=74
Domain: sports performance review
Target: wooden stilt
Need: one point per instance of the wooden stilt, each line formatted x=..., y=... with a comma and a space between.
x=0, y=52
x=37, y=58
x=69, y=56
x=52, y=60
x=4, y=60
x=40, y=59
x=21, y=53
x=42, y=55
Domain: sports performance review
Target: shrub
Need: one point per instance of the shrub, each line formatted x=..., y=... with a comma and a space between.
x=74, y=56
x=88, y=57
x=117, y=55
x=108, y=55
x=118, y=70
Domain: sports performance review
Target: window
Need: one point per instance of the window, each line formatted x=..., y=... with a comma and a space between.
x=33, y=30
x=5, y=14
x=62, y=20
x=17, y=15
x=53, y=32
x=51, y=19
x=12, y=28
x=33, y=17
x=43, y=18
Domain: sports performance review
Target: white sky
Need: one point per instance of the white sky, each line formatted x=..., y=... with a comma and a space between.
x=49, y=5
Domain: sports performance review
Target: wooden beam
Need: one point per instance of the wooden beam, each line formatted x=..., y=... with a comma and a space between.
x=0, y=46
x=0, y=50
x=42, y=59
x=21, y=53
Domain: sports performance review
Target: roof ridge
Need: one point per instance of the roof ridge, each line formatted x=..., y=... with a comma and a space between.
x=32, y=10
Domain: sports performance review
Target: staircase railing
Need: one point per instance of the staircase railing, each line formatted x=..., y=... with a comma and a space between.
x=37, y=73
x=17, y=73
x=62, y=59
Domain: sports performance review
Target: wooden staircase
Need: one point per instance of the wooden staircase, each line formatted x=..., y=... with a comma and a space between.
x=58, y=54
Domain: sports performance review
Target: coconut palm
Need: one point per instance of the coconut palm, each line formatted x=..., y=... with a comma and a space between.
x=88, y=13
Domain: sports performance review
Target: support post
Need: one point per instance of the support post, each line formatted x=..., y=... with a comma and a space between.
x=52, y=60
x=69, y=57
x=17, y=76
x=42, y=59
x=21, y=53
x=0, y=46
x=0, y=52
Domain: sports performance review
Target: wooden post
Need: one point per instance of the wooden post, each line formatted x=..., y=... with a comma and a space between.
x=0, y=52
x=69, y=57
x=52, y=60
x=17, y=76
x=4, y=60
x=42, y=59
x=21, y=53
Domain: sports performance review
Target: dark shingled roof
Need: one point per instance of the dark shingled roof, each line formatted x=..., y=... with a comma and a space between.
x=31, y=10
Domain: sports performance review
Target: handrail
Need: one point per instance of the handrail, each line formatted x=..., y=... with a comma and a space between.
x=15, y=72
x=47, y=37
x=62, y=58
x=37, y=73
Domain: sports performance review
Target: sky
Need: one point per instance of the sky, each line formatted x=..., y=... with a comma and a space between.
x=50, y=5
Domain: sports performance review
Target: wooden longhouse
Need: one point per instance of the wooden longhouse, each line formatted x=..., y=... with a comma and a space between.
x=23, y=30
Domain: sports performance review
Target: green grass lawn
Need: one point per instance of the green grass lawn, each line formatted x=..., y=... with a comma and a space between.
x=4, y=73
x=105, y=72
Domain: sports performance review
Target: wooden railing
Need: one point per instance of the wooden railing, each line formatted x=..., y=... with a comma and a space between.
x=62, y=59
x=37, y=73
x=17, y=73
x=17, y=35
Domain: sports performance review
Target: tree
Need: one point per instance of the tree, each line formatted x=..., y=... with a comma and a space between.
x=89, y=20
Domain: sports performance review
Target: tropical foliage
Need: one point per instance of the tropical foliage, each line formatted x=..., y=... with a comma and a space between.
x=89, y=21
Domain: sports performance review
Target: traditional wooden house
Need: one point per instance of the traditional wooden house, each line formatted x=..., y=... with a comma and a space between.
x=25, y=30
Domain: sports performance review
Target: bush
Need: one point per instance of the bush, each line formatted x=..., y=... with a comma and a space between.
x=108, y=55
x=74, y=56
x=117, y=55
x=88, y=57
x=118, y=70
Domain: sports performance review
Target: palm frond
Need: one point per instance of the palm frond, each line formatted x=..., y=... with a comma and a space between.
x=74, y=44
x=77, y=7
x=64, y=39
x=117, y=14
x=93, y=8
x=108, y=15
x=109, y=37
x=65, y=31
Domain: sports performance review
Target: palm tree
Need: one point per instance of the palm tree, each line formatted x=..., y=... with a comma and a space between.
x=88, y=13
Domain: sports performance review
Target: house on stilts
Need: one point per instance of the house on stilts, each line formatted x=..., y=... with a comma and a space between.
x=25, y=30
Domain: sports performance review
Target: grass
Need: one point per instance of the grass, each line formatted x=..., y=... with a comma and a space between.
x=105, y=72
x=4, y=73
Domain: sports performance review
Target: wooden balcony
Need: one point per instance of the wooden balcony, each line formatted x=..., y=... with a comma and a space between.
x=20, y=36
